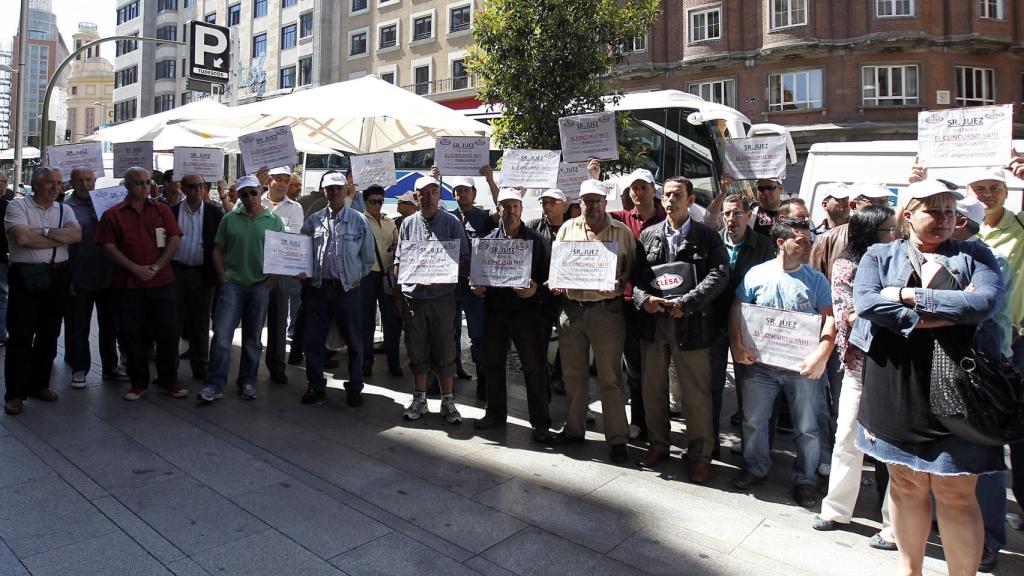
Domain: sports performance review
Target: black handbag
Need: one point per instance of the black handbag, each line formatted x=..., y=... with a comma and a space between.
x=39, y=277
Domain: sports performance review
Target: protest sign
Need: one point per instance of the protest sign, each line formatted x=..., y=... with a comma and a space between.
x=570, y=176
x=588, y=136
x=429, y=262
x=780, y=338
x=756, y=158
x=104, y=199
x=129, y=155
x=530, y=168
x=965, y=137
x=207, y=163
x=462, y=155
x=583, y=265
x=370, y=169
x=501, y=262
x=70, y=156
x=287, y=254
x=273, y=147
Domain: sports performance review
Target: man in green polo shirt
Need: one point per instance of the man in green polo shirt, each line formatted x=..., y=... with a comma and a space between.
x=243, y=293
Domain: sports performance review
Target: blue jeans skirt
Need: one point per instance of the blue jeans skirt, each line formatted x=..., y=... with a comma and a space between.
x=950, y=456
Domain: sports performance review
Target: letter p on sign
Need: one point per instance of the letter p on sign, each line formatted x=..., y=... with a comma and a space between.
x=208, y=52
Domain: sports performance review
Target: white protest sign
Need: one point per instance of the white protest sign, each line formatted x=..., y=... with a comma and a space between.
x=501, y=262
x=429, y=262
x=273, y=148
x=70, y=156
x=369, y=169
x=756, y=158
x=462, y=155
x=129, y=155
x=583, y=265
x=104, y=199
x=588, y=136
x=207, y=163
x=287, y=254
x=530, y=168
x=965, y=137
x=570, y=176
x=780, y=338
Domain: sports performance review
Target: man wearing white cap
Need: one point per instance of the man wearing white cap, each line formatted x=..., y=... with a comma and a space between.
x=408, y=204
x=284, y=290
x=836, y=205
x=830, y=244
x=555, y=206
x=517, y=316
x=428, y=310
x=646, y=212
x=594, y=319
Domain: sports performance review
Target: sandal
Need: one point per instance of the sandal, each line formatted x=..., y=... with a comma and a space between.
x=13, y=407
x=45, y=394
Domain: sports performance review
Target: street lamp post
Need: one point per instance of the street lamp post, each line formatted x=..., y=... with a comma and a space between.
x=20, y=91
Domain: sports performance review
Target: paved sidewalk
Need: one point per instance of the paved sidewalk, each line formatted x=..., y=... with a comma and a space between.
x=95, y=485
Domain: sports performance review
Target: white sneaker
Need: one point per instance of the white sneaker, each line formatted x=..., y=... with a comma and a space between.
x=248, y=392
x=824, y=469
x=417, y=408
x=78, y=379
x=450, y=412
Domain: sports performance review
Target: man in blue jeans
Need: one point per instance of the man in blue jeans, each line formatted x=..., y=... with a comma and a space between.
x=243, y=292
x=342, y=256
x=785, y=283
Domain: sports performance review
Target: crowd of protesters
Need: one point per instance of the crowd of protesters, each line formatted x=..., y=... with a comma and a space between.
x=887, y=281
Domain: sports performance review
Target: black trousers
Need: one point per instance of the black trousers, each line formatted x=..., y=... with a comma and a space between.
x=631, y=357
x=33, y=326
x=526, y=329
x=78, y=325
x=145, y=316
x=195, y=302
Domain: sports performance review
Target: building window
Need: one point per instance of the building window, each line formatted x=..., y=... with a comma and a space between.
x=127, y=12
x=305, y=25
x=287, y=77
x=125, y=110
x=421, y=76
x=387, y=36
x=422, y=27
x=990, y=9
x=460, y=78
x=126, y=46
x=706, y=24
x=167, y=33
x=388, y=77
x=975, y=86
x=785, y=13
x=73, y=122
x=259, y=45
x=460, y=18
x=165, y=69
x=126, y=77
x=163, y=103
x=358, y=6
x=357, y=42
x=211, y=18
x=289, y=3
x=889, y=85
x=259, y=8
x=794, y=90
x=234, y=14
x=187, y=3
x=638, y=44
x=717, y=91
x=186, y=98
x=288, y=37
x=889, y=8
x=162, y=5
x=90, y=121
x=306, y=71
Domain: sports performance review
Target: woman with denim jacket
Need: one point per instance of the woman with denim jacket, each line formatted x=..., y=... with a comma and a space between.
x=901, y=304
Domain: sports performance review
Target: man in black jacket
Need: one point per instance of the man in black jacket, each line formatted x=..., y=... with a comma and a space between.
x=682, y=267
x=193, y=269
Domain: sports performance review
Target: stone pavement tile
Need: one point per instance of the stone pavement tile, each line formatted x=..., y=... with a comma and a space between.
x=267, y=552
x=486, y=567
x=319, y=523
x=345, y=468
x=187, y=567
x=585, y=522
x=126, y=520
x=546, y=467
x=675, y=502
x=119, y=464
x=63, y=424
x=108, y=555
x=20, y=465
x=398, y=555
x=338, y=423
x=455, y=518
x=47, y=514
x=533, y=552
x=159, y=430
x=439, y=466
x=190, y=515
x=9, y=563
x=224, y=468
x=73, y=475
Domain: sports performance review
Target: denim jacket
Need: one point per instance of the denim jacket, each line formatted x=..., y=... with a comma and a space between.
x=884, y=265
x=353, y=245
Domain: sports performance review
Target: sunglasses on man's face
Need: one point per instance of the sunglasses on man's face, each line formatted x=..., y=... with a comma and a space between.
x=376, y=202
x=249, y=193
x=766, y=188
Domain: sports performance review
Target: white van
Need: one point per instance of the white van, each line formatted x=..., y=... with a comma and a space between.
x=885, y=161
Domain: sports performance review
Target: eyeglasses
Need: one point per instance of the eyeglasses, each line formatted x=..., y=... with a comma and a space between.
x=375, y=202
x=889, y=229
x=139, y=182
x=334, y=188
x=193, y=186
x=250, y=193
x=767, y=188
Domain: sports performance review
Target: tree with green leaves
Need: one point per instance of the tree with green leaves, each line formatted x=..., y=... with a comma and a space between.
x=545, y=59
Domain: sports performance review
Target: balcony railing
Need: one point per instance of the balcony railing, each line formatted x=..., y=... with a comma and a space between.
x=441, y=86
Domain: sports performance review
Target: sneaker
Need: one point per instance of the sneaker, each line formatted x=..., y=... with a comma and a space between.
x=879, y=543
x=450, y=412
x=78, y=379
x=824, y=469
x=208, y=396
x=591, y=417
x=134, y=394
x=1015, y=521
x=805, y=495
x=175, y=391
x=989, y=558
x=822, y=525
x=417, y=408
x=312, y=396
x=116, y=375
x=248, y=392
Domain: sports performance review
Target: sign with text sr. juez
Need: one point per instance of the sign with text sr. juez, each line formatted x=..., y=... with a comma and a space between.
x=209, y=49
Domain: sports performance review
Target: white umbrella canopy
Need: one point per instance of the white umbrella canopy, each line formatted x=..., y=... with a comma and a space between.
x=359, y=116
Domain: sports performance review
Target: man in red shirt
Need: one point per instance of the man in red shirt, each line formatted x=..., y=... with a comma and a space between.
x=140, y=235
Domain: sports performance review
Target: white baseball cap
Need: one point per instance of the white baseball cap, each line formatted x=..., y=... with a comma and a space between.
x=424, y=181
x=639, y=174
x=248, y=182
x=554, y=193
x=456, y=181
x=659, y=191
x=335, y=179
x=281, y=170
x=869, y=190
x=836, y=190
x=927, y=188
x=970, y=207
x=509, y=194
x=593, y=187
x=987, y=174
x=409, y=197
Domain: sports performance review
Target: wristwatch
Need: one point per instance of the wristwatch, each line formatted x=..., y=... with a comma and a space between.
x=46, y=232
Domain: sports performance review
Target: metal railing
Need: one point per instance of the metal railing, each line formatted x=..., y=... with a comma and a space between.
x=441, y=86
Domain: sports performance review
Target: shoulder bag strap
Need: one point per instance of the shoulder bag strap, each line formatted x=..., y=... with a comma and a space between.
x=60, y=224
x=380, y=263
